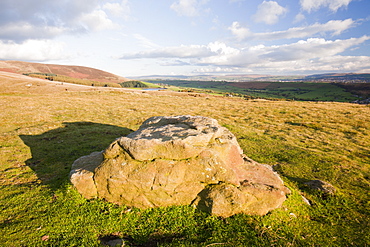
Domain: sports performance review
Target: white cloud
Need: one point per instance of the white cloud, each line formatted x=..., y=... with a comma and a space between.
x=299, y=17
x=334, y=5
x=310, y=48
x=239, y=31
x=24, y=30
x=192, y=51
x=343, y=63
x=304, y=55
x=97, y=21
x=212, y=70
x=33, y=50
x=185, y=51
x=121, y=9
x=188, y=8
x=335, y=27
x=218, y=53
x=269, y=12
x=40, y=19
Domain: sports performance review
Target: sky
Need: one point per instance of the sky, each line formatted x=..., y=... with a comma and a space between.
x=190, y=37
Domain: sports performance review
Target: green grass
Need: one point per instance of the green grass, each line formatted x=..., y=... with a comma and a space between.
x=138, y=84
x=271, y=90
x=41, y=136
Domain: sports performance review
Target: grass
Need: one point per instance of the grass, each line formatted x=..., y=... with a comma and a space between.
x=42, y=133
x=271, y=90
x=68, y=79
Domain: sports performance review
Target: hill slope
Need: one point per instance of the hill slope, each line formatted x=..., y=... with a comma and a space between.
x=79, y=72
x=340, y=77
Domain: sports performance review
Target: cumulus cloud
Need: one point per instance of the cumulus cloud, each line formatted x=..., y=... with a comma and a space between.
x=335, y=27
x=192, y=51
x=288, y=57
x=334, y=5
x=40, y=19
x=23, y=30
x=310, y=48
x=97, y=21
x=32, y=50
x=188, y=8
x=185, y=51
x=343, y=63
x=269, y=12
x=240, y=32
x=299, y=17
x=121, y=9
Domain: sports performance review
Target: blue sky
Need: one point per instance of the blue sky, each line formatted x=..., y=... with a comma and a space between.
x=190, y=37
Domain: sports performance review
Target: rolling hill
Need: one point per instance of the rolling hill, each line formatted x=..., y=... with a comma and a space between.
x=78, y=72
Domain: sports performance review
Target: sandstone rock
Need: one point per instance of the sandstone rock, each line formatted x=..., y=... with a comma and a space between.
x=82, y=174
x=180, y=160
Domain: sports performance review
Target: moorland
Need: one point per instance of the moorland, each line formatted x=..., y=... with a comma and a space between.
x=45, y=126
x=319, y=89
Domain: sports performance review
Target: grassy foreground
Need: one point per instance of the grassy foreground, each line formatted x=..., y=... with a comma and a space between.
x=43, y=131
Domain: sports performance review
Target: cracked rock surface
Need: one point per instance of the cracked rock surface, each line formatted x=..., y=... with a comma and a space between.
x=180, y=160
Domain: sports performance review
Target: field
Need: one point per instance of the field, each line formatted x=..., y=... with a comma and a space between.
x=271, y=89
x=46, y=126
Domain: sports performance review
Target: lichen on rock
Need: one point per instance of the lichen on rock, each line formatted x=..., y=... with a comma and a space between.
x=180, y=160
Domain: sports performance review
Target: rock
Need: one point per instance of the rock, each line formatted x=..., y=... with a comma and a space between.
x=116, y=242
x=113, y=240
x=305, y=200
x=180, y=160
x=322, y=186
x=82, y=174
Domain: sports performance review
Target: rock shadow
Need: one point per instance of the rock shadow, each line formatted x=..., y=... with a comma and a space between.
x=153, y=240
x=54, y=151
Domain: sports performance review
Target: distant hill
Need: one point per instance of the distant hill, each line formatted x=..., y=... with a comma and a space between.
x=78, y=72
x=340, y=77
x=331, y=78
x=229, y=78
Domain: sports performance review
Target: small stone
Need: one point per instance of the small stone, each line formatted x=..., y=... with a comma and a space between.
x=45, y=238
x=116, y=242
x=306, y=200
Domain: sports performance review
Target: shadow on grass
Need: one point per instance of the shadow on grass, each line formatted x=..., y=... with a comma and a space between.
x=54, y=151
x=152, y=241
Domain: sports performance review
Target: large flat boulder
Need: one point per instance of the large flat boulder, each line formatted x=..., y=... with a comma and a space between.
x=180, y=160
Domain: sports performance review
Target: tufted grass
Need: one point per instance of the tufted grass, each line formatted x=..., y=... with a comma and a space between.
x=42, y=133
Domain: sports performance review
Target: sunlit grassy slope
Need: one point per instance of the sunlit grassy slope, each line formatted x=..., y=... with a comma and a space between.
x=45, y=128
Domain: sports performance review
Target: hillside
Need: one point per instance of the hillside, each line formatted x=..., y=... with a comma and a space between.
x=45, y=126
x=305, y=91
x=340, y=78
x=78, y=72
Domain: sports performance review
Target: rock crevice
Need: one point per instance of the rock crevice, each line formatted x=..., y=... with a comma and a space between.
x=180, y=160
